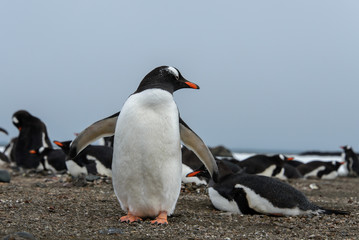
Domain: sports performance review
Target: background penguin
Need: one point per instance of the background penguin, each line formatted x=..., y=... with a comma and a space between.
x=52, y=159
x=9, y=151
x=271, y=166
x=352, y=162
x=320, y=169
x=253, y=194
x=147, y=140
x=290, y=170
x=4, y=160
x=32, y=135
x=190, y=162
x=95, y=160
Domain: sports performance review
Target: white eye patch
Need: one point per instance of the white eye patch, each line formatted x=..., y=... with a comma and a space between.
x=14, y=119
x=173, y=71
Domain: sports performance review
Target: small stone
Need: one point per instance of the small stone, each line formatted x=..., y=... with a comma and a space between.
x=20, y=236
x=111, y=231
x=92, y=178
x=4, y=176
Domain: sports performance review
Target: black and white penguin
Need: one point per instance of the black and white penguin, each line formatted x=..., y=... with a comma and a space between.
x=32, y=135
x=148, y=134
x=52, y=159
x=271, y=166
x=95, y=160
x=290, y=171
x=320, y=169
x=351, y=160
x=253, y=194
x=9, y=151
x=190, y=162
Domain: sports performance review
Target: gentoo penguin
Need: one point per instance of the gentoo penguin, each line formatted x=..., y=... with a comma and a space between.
x=351, y=159
x=52, y=159
x=190, y=162
x=9, y=151
x=95, y=160
x=32, y=135
x=4, y=160
x=290, y=171
x=271, y=166
x=320, y=169
x=148, y=134
x=254, y=194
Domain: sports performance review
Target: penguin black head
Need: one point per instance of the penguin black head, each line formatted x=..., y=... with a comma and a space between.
x=23, y=118
x=346, y=147
x=166, y=78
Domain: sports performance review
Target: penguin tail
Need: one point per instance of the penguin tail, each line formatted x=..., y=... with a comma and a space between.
x=332, y=211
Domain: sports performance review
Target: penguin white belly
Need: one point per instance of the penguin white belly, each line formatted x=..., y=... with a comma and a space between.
x=281, y=175
x=268, y=171
x=330, y=176
x=221, y=203
x=74, y=169
x=314, y=173
x=263, y=205
x=147, y=167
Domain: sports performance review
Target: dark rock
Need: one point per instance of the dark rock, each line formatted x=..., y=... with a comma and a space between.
x=4, y=176
x=92, y=178
x=221, y=151
x=20, y=236
x=79, y=181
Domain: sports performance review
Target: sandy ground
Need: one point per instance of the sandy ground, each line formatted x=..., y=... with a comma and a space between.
x=53, y=208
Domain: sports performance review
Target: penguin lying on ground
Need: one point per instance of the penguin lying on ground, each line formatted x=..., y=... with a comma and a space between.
x=320, y=169
x=52, y=159
x=146, y=167
x=243, y=193
x=352, y=162
x=95, y=160
x=271, y=166
x=32, y=135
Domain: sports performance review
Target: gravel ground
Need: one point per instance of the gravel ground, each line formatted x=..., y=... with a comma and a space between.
x=53, y=208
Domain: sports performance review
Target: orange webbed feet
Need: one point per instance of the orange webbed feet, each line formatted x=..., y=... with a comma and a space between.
x=161, y=219
x=129, y=218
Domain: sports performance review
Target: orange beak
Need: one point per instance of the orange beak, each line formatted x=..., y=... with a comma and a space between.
x=290, y=158
x=192, y=174
x=58, y=143
x=32, y=151
x=192, y=85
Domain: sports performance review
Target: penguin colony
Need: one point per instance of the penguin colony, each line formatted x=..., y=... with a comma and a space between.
x=145, y=137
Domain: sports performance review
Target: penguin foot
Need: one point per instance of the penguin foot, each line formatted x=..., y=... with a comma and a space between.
x=129, y=218
x=161, y=219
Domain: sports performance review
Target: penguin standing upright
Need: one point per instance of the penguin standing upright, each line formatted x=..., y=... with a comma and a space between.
x=32, y=135
x=351, y=159
x=146, y=163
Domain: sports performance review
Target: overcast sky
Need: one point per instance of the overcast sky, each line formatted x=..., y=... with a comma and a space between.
x=274, y=75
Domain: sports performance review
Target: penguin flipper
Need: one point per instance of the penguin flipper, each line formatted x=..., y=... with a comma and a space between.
x=102, y=128
x=4, y=131
x=192, y=141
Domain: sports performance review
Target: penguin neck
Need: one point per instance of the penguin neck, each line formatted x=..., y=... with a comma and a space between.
x=145, y=85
